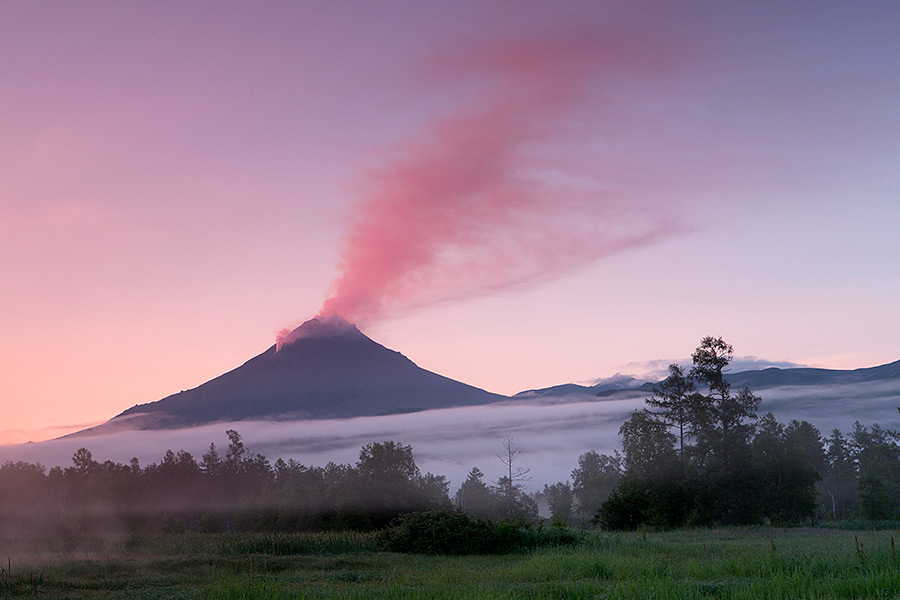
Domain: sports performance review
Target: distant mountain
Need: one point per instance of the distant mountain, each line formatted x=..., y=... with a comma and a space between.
x=775, y=377
x=771, y=377
x=611, y=385
x=326, y=369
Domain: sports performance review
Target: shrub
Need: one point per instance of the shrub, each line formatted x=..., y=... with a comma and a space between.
x=626, y=508
x=290, y=544
x=632, y=505
x=172, y=524
x=211, y=523
x=437, y=532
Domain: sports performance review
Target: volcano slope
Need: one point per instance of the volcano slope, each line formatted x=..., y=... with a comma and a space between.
x=326, y=368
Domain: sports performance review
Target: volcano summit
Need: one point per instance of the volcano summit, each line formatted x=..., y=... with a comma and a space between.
x=326, y=368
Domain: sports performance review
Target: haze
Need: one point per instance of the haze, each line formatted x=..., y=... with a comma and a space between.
x=550, y=432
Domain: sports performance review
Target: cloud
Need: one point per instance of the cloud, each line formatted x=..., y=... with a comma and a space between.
x=836, y=406
x=21, y=436
x=551, y=432
x=753, y=363
x=447, y=442
x=657, y=369
x=479, y=201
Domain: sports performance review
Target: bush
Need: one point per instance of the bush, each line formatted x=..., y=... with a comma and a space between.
x=625, y=509
x=437, y=532
x=290, y=544
x=211, y=523
x=172, y=524
x=633, y=505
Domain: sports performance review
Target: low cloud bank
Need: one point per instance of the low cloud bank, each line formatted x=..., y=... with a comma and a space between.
x=658, y=369
x=551, y=433
x=22, y=436
x=447, y=442
x=836, y=406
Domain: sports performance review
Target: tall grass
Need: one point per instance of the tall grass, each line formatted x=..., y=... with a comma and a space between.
x=862, y=525
x=16, y=583
x=687, y=564
x=290, y=544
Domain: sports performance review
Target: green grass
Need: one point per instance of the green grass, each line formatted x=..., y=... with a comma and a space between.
x=695, y=564
x=290, y=544
x=861, y=525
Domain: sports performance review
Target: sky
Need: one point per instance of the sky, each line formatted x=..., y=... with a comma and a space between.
x=511, y=195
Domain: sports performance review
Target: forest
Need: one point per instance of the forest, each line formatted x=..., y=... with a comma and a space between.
x=696, y=455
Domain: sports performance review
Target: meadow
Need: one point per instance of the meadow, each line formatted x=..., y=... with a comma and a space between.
x=722, y=563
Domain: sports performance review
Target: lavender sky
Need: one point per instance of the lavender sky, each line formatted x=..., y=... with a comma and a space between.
x=512, y=195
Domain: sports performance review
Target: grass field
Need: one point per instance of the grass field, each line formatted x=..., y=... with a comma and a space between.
x=729, y=563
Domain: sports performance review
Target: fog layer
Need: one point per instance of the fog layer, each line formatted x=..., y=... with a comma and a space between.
x=550, y=433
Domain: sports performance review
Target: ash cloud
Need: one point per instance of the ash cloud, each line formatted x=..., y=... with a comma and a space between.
x=463, y=209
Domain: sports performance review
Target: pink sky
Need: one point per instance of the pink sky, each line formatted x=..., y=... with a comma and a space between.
x=515, y=196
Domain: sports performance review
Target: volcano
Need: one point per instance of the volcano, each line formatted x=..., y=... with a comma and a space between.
x=326, y=368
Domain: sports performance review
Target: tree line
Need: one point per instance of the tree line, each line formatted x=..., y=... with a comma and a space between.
x=234, y=490
x=697, y=454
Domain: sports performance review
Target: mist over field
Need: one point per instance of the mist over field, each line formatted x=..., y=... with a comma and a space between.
x=836, y=406
x=446, y=442
x=550, y=432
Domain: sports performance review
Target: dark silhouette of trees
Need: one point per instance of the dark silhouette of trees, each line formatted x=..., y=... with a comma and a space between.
x=787, y=482
x=648, y=447
x=475, y=497
x=506, y=498
x=560, y=501
x=389, y=482
x=387, y=464
x=83, y=462
x=672, y=401
x=737, y=471
x=510, y=487
x=210, y=462
x=237, y=491
x=593, y=480
x=723, y=424
x=877, y=456
x=650, y=491
x=435, y=492
x=697, y=456
x=839, y=479
x=710, y=359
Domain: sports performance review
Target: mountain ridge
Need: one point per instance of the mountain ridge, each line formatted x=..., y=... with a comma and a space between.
x=778, y=377
x=755, y=379
x=326, y=368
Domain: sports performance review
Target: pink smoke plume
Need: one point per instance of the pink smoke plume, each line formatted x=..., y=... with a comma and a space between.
x=465, y=209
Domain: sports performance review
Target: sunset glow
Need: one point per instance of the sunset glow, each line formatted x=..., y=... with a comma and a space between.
x=513, y=197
